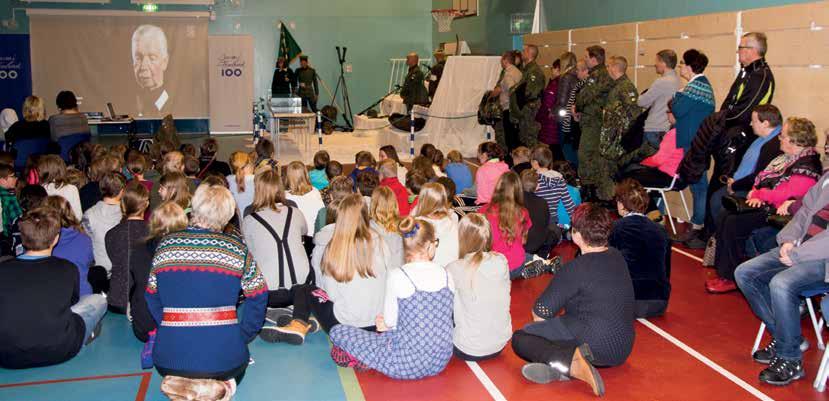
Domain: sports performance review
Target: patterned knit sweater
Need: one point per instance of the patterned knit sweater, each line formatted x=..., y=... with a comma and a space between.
x=690, y=107
x=196, y=268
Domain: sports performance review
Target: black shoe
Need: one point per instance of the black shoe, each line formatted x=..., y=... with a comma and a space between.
x=695, y=243
x=552, y=265
x=782, y=372
x=766, y=354
x=686, y=236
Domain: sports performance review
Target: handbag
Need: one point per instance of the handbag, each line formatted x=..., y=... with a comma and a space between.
x=736, y=204
x=778, y=221
x=710, y=252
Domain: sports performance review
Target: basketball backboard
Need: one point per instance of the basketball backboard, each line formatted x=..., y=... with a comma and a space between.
x=468, y=8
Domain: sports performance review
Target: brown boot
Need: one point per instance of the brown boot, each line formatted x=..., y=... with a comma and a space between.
x=180, y=388
x=294, y=333
x=582, y=369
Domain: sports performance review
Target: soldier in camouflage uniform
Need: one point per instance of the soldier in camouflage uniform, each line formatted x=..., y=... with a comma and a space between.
x=414, y=87
x=590, y=104
x=619, y=114
x=525, y=100
x=506, y=133
x=308, y=85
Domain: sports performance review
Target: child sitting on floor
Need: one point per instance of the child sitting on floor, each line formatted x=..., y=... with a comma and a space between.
x=415, y=339
x=572, y=179
x=319, y=179
x=364, y=161
x=459, y=172
x=483, y=325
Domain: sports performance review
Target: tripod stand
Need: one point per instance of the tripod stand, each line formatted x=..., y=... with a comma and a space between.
x=341, y=82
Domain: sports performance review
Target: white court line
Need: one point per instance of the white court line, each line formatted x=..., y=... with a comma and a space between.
x=681, y=252
x=484, y=379
x=702, y=358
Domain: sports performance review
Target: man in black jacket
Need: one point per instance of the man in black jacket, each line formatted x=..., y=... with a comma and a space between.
x=726, y=135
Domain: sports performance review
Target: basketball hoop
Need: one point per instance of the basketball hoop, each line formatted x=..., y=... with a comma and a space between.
x=444, y=18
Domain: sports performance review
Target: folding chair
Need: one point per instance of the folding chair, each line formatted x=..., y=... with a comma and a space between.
x=817, y=324
x=664, y=200
x=823, y=370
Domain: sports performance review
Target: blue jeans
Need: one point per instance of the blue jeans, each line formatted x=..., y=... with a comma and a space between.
x=654, y=137
x=773, y=291
x=91, y=308
x=699, y=191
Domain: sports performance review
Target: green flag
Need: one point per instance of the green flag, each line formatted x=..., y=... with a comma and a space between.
x=288, y=48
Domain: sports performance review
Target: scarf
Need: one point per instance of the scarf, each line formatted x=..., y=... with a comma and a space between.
x=749, y=162
x=806, y=163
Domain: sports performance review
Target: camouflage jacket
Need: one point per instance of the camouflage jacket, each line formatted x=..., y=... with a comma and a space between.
x=527, y=90
x=619, y=114
x=592, y=99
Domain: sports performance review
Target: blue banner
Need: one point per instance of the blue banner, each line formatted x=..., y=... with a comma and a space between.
x=15, y=72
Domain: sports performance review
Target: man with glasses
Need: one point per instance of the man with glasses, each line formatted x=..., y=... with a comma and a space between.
x=726, y=135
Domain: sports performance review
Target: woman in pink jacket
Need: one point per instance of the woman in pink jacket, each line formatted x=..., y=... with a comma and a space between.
x=789, y=176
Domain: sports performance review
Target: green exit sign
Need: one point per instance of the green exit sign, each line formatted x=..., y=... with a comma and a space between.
x=149, y=8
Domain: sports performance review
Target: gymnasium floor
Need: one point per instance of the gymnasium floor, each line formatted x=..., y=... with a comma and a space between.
x=698, y=351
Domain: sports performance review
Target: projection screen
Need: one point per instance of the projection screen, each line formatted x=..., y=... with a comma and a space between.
x=146, y=66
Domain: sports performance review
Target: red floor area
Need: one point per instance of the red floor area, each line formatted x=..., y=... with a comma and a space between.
x=721, y=327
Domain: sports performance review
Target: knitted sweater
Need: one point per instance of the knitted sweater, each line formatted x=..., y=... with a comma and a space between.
x=197, y=268
x=690, y=107
x=596, y=292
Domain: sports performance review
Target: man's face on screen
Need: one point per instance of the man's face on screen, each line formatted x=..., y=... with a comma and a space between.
x=149, y=61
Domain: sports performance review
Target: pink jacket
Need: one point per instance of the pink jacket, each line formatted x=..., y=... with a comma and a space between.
x=486, y=178
x=668, y=157
x=794, y=188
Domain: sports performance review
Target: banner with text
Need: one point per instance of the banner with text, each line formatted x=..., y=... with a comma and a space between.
x=15, y=72
x=231, y=83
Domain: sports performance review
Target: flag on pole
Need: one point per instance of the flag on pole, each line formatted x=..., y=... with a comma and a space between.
x=539, y=20
x=288, y=48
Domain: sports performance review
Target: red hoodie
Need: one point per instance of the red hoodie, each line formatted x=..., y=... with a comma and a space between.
x=400, y=192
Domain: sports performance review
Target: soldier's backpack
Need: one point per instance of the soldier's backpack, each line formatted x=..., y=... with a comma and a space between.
x=489, y=110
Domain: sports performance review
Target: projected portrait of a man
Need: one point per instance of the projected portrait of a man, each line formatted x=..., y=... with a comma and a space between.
x=150, y=59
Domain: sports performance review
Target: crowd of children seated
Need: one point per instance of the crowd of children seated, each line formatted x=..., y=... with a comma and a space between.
x=404, y=268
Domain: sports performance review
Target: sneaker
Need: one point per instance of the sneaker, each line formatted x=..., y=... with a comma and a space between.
x=720, y=285
x=766, y=354
x=782, y=372
x=294, y=333
x=285, y=320
x=553, y=265
x=96, y=332
x=533, y=268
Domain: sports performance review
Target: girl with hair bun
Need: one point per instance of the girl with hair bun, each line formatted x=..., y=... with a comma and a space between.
x=415, y=339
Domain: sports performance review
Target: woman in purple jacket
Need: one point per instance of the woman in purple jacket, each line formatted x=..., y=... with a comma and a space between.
x=546, y=116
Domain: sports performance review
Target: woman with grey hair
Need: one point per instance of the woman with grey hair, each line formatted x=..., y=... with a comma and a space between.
x=192, y=293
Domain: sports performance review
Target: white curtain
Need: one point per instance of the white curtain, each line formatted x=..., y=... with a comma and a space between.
x=464, y=81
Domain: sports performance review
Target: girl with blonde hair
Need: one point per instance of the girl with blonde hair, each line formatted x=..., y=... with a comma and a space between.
x=433, y=206
x=483, y=325
x=52, y=172
x=384, y=219
x=353, y=278
x=241, y=182
x=167, y=218
x=300, y=190
x=417, y=310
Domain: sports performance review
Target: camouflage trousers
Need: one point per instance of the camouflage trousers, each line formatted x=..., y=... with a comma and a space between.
x=528, y=127
x=595, y=170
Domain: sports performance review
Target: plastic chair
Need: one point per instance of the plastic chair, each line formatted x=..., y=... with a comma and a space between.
x=28, y=147
x=823, y=370
x=664, y=200
x=67, y=142
x=818, y=325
